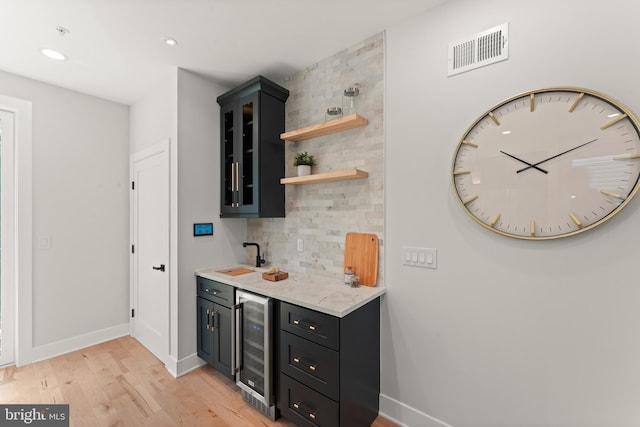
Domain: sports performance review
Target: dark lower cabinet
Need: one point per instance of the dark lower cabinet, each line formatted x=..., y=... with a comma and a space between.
x=305, y=406
x=329, y=367
x=205, y=336
x=215, y=329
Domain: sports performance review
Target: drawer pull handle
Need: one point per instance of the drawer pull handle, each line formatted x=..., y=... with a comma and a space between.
x=211, y=291
x=312, y=367
x=311, y=415
x=298, y=322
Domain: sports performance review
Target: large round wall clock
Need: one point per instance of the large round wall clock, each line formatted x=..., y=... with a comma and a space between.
x=548, y=163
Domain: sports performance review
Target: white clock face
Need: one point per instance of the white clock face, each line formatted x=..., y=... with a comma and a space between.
x=548, y=163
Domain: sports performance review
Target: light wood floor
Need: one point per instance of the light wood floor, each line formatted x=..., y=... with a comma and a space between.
x=120, y=383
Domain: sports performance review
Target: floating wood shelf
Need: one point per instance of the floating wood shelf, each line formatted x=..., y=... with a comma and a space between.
x=340, y=175
x=326, y=128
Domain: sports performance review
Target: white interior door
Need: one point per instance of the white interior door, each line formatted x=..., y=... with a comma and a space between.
x=7, y=248
x=150, y=247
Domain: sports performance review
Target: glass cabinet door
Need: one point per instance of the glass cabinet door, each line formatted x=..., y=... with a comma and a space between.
x=228, y=158
x=248, y=154
x=239, y=133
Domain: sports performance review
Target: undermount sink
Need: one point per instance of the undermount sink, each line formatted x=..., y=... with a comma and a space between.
x=236, y=271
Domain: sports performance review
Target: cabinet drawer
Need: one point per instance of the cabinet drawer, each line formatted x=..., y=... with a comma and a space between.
x=311, y=364
x=315, y=326
x=304, y=406
x=215, y=291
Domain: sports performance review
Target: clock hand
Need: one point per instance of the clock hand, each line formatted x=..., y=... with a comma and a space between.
x=557, y=155
x=522, y=161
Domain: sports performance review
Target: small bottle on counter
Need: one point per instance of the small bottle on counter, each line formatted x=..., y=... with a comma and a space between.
x=348, y=275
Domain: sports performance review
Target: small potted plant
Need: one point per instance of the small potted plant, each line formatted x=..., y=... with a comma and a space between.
x=303, y=161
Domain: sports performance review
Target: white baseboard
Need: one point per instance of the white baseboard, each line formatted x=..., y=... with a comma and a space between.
x=185, y=365
x=406, y=416
x=68, y=345
x=172, y=366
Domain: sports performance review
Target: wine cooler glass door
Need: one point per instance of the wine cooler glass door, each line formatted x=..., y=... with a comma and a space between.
x=254, y=347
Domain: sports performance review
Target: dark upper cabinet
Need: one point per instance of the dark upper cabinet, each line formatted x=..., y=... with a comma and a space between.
x=251, y=151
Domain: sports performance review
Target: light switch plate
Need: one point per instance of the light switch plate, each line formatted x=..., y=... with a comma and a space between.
x=420, y=257
x=44, y=242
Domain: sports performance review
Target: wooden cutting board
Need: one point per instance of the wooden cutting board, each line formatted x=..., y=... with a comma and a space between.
x=361, y=253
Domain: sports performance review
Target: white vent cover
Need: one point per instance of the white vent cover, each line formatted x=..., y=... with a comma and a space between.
x=487, y=47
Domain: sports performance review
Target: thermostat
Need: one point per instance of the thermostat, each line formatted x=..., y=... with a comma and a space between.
x=203, y=229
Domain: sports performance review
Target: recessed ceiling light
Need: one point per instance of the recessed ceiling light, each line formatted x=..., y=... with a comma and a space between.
x=62, y=31
x=170, y=41
x=53, y=54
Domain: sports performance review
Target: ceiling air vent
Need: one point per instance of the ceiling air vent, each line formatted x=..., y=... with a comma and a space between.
x=487, y=47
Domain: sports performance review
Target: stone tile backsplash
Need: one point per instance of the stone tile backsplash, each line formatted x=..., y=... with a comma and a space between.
x=321, y=214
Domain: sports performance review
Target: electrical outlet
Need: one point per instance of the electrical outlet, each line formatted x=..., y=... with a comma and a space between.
x=300, y=245
x=420, y=257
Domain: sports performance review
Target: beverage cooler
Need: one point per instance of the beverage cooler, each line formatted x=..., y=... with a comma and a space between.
x=254, y=350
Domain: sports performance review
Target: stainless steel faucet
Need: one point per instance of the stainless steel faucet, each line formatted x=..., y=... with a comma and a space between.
x=259, y=260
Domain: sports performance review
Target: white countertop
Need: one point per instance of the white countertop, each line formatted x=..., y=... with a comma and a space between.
x=319, y=293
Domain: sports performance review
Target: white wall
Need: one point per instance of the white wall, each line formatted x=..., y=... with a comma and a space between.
x=80, y=202
x=154, y=117
x=183, y=108
x=504, y=332
x=199, y=199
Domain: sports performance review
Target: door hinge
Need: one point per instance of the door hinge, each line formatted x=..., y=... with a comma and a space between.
x=133, y=312
x=133, y=249
x=133, y=185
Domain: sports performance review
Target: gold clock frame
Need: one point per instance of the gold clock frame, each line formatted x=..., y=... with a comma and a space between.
x=627, y=113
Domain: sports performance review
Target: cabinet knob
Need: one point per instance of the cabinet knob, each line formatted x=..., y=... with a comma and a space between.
x=296, y=405
x=312, y=415
x=312, y=367
x=312, y=327
x=296, y=359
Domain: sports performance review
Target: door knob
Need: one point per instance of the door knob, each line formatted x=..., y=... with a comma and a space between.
x=161, y=268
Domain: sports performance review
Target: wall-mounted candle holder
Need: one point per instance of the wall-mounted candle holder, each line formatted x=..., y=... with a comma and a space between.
x=333, y=113
x=350, y=100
